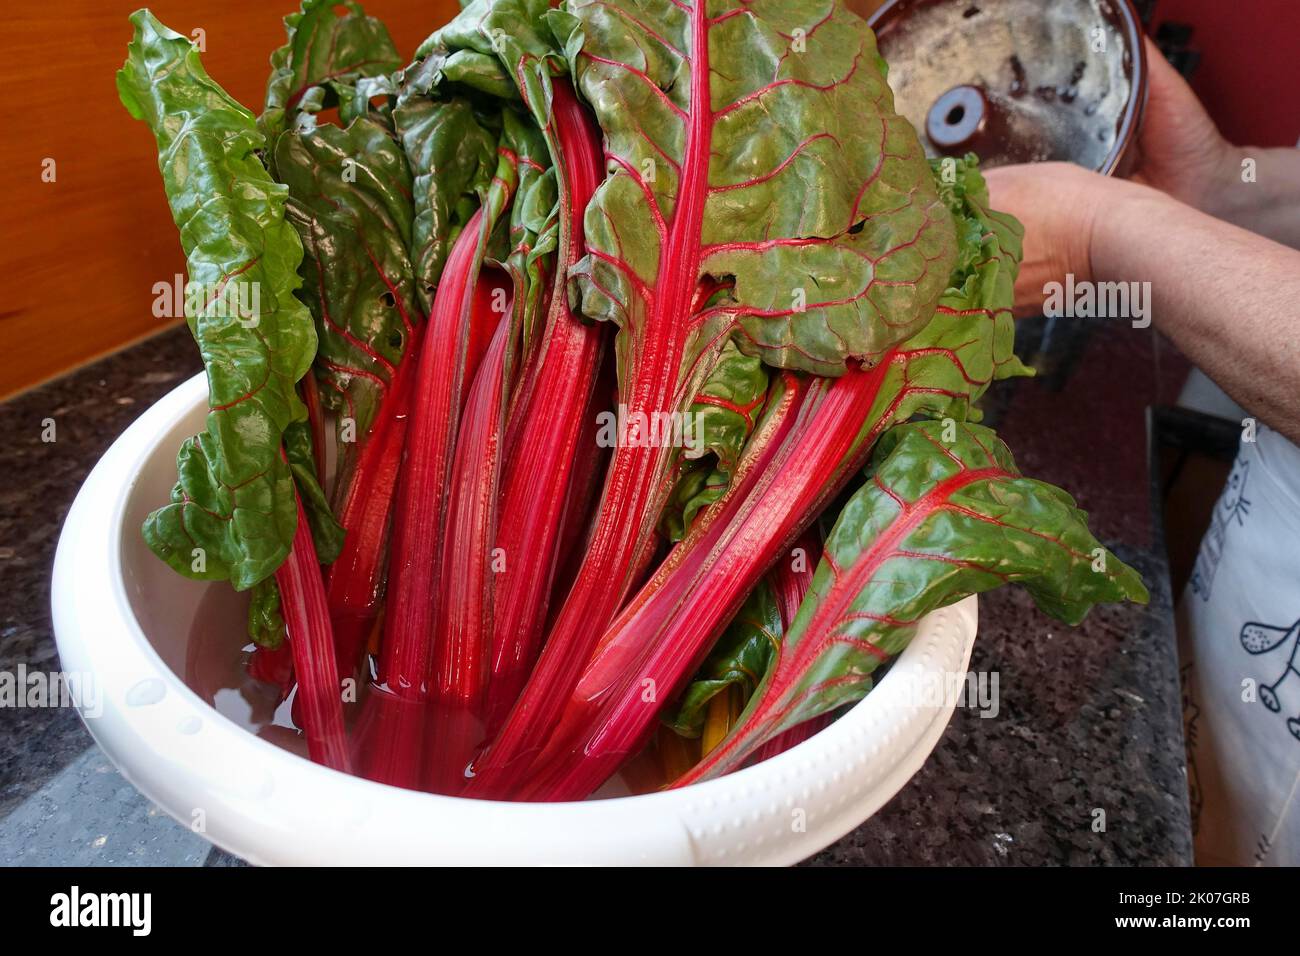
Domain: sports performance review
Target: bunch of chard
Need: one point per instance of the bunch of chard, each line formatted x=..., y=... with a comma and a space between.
x=612, y=385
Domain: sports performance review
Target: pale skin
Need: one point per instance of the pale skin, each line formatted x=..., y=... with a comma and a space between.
x=1220, y=252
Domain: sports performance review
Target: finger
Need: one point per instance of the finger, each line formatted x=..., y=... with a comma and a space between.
x=1160, y=75
x=1167, y=91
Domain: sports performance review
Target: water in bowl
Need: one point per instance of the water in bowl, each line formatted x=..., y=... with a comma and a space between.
x=216, y=668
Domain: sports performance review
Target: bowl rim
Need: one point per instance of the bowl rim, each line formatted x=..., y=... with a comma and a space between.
x=269, y=805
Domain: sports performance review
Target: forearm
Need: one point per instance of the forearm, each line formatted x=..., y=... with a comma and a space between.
x=1259, y=190
x=1230, y=300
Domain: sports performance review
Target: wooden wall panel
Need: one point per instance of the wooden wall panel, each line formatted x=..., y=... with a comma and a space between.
x=80, y=255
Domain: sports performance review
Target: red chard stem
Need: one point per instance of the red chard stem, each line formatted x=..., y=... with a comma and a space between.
x=393, y=756
x=463, y=628
x=548, y=441
x=653, y=351
x=306, y=616
x=356, y=579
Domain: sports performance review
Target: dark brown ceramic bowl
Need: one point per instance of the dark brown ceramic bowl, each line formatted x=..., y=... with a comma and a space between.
x=1018, y=81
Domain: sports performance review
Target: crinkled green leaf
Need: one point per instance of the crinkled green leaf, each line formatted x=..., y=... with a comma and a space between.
x=501, y=48
x=461, y=52
x=452, y=154
x=531, y=260
x=514, y=35
x=697, y=486
x=495, y=47
x=721, y=420
x=215, y=531
x=944, y=514
x=740, y=657
x=232, y=514
x=350, y=200
x=816, y=199
x=517, y=33
x=320, y=65
x=724, y=411
x=944, y=369
x=990, y=246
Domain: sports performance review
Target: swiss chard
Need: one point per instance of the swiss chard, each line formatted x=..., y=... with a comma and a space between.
x=311, y=640
x=235, y=512
x=331, y=46
x=714, y=202
x=783, y=482
x=466, y=157
x=349, y=198
x=547, y=437
x=462, y=645
x=356, y=578
x=414, y=571
x=824, y=221
x=944, y=513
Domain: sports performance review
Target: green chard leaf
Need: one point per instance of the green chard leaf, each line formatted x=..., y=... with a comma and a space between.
x=741, y=657
x=233, y=513
x=326, y=532
x=349, y=199
x=944, y=514
x=721, y=420
x=990, y=247
x=529, y=251
x=265, y=622
x=812, y=195
x=452, y=151
x=461, y=53
x=324, y=62
x=944, y=369
x=467, y=99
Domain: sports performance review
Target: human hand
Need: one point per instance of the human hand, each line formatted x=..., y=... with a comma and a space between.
x=1059, y=205
x=1179, y=149
x=1064, y=209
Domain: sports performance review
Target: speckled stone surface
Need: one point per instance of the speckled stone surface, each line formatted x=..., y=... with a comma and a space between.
x=88, y=815
x=1087, y=721
x=89, y=409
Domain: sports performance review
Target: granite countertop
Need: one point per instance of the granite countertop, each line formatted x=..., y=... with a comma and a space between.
x=1088, y=718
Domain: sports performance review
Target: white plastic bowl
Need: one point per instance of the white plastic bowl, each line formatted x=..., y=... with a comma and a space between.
x=124, y=618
